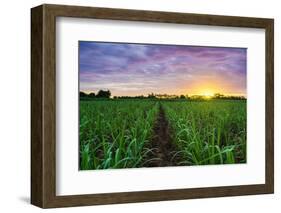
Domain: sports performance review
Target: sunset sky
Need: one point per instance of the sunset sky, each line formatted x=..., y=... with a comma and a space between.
x=140, y=69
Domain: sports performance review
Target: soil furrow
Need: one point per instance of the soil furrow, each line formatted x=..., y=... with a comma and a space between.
x=161, y=144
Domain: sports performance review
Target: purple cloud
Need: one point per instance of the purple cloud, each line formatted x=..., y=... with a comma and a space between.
x=134, y=69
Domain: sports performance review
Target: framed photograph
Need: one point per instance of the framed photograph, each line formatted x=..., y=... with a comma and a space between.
x=137, y=106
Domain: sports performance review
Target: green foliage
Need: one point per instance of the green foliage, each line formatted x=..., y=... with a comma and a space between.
x=116, y=133
x=113, y=134
x=209, y=132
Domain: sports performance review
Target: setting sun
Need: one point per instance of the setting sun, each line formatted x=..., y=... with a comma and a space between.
x=208, y=94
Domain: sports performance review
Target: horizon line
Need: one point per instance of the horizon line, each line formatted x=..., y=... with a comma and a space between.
x=163, y=94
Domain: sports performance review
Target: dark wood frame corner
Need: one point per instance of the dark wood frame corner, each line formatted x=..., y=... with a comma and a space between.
x=43, y=105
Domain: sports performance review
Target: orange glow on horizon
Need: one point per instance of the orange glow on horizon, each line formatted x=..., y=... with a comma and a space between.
x=207, y=88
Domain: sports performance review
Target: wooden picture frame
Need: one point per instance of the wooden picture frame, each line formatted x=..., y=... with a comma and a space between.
x=43, y=105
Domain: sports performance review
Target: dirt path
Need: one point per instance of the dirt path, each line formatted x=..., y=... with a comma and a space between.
x=161, y=143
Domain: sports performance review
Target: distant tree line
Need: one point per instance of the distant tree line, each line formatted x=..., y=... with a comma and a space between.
x=182, y=97
x=100, y=94
x=107, y=94
x=217, y=96
x=233, y=97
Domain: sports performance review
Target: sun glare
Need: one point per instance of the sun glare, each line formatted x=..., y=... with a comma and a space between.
x=208, y=94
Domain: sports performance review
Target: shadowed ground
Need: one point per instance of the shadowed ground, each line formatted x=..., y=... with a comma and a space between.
x=161, y=144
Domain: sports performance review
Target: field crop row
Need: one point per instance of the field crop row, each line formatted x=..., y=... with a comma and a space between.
x=210, y=132
x=117, y=133
x=113, y=134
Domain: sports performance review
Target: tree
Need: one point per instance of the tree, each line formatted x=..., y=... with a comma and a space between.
x=82, y=94
x=103, y=94
x=151, y=95
x=218, y=96
x=92, y=95
x=182, y=97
